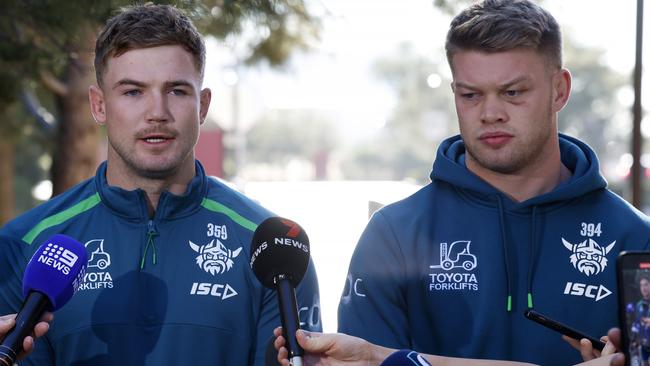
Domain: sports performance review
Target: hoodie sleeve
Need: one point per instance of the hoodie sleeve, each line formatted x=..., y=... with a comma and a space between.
x=373, y=305
x=307, y=298
x=12, y=266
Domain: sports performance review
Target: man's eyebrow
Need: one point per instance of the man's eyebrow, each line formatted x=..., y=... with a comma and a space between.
x=460, y=84
x=519, y=79
x=132, y=82
x=178, y=83
x=516, y=80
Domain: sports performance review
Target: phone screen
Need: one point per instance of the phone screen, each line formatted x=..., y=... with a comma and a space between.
x=633, y=276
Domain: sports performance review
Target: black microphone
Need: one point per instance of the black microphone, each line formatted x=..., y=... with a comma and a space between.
x=51, y=278
x=279, y=259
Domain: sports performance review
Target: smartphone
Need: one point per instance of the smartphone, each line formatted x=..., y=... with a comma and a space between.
x=563, y=329
x=633, y=281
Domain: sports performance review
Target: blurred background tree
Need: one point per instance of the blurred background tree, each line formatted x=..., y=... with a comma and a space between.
x=46, y=57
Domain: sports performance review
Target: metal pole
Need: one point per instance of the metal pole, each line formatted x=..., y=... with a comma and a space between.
x=637, y=191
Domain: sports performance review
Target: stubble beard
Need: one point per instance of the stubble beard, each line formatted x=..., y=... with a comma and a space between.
x=512, y=159
x=152, y=171
x=517, y=155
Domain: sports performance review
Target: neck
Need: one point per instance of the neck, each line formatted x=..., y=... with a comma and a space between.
x=129, y=179
x=529, y=182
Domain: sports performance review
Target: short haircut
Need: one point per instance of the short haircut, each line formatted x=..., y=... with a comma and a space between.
x=145, y=26
x=503, y=25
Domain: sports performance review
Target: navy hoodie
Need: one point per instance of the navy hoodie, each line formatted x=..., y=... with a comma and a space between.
x=174, y=289
x=451, y=269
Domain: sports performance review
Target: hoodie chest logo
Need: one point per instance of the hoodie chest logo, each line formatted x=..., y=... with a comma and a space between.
x=454, y=270
x=588, y=256
x=214, y=257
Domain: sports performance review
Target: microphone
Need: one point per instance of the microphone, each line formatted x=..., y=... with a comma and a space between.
x=279, y=259
x=405, y=357
x=51, y=278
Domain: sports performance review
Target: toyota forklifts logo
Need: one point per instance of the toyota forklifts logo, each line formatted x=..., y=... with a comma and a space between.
x=453, y=272
x=98, y=275
x=455, y=256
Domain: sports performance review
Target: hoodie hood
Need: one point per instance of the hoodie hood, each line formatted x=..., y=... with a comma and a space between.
x=577, y=156
x=450, y=167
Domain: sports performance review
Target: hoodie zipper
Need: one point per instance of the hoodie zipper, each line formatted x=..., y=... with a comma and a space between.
x=151, y=233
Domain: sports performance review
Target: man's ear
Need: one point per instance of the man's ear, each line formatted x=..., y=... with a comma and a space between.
x=97, y=105
x=561, y=89
x=206, y=96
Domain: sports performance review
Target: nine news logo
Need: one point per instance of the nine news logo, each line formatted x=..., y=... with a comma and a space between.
x=58, y=258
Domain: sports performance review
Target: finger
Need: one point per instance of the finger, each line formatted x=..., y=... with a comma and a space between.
x=41, y=328
x=279, y=342
x=7, y=322
x=308, y=341
x=28, y=347
x=47, y=317
x=277, y=331
x=283, y=356
x=614, y=336
x=586, y=350
x=573, y=342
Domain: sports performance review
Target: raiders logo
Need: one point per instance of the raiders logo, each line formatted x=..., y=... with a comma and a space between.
x=588, y=257
x=215, y=258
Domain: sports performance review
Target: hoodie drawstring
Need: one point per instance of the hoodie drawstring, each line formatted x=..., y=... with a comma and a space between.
x=533, y=252
x=531, y=257
x=504, y=240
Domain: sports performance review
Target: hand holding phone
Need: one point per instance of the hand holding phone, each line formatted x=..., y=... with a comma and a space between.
x=563, y=329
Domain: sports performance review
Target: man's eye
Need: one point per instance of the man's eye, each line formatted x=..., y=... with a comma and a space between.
x=468, y=95
x=132, y=92
x=178, y=92
x=512, y=93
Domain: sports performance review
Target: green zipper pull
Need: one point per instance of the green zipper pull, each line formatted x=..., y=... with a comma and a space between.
x=151, y=232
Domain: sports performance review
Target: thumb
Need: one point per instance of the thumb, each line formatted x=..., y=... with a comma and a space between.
x=313, y=342
x=7, y=322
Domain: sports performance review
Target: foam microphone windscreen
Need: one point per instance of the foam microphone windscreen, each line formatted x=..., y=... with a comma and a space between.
x=56, y=270
x=405, y=357
x=279, y=247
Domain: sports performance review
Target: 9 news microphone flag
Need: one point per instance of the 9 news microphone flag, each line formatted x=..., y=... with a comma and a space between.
x=279, y=259
x=51, y=278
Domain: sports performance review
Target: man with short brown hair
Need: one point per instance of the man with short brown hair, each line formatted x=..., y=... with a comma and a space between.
x=168, y=279
x=517, y=215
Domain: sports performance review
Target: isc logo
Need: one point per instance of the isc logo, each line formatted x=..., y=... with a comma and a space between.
x=213, y=289
x=590, y=291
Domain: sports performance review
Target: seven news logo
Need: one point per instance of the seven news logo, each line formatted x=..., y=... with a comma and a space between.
x=58, y=258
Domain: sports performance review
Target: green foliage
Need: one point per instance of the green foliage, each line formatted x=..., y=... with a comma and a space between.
x=272, y=29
